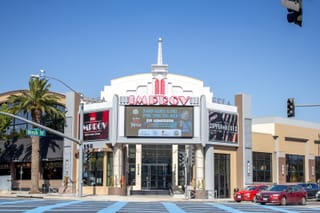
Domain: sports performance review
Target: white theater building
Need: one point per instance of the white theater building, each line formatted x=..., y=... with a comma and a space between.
x=157, y=131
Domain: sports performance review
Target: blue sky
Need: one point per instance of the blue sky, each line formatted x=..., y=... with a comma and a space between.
x=235, y=47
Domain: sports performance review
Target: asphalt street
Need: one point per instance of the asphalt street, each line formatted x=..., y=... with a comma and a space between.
x=132, y=204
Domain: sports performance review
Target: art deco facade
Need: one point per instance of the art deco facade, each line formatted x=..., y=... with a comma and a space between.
x=138, y=136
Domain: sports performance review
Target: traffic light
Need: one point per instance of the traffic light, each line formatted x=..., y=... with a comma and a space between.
x=294, y=8
x=86, y=156
x=181, y=159
x=290, y=107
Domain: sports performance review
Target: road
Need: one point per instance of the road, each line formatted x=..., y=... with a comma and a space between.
x=34, y=205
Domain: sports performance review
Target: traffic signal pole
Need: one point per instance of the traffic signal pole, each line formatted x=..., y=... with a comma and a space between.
x=308, y=105
x=77, y=141
x=291, y=107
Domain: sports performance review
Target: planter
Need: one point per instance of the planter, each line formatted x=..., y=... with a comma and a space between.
x=201, y=194
x=118, y=191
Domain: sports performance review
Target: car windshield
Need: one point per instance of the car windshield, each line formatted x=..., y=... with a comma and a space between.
x=277, y=188
x=303, y=185
x=250, y=188
x=308, y=186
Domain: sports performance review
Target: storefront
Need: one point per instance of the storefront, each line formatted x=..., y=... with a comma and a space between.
x=285, y=150
x=160, y=132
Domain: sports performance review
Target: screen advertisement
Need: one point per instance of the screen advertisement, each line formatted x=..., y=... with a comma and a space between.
x=223, y=127
x=96, y=126
x=158, y=121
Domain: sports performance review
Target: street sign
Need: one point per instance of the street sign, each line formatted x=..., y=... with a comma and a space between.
x=36, y=132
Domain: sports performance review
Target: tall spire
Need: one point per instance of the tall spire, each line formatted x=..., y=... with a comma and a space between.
x=159, y=67
x=160, y=51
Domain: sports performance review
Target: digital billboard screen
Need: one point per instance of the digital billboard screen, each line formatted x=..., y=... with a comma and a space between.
x=223, y=127
x=96, y=126
x=159, y=121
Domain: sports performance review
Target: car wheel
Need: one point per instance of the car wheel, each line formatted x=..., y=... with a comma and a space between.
x=303, y=201
x=262, y=203
x=283, y=201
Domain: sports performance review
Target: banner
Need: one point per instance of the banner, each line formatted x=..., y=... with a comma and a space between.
x=96, y=126
x=223, y=127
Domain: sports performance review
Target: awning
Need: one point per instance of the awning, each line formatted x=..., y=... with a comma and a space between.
x=51, y=149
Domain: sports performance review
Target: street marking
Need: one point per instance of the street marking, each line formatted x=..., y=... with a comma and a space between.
x=18, y=201
x=46, y=208
x=225, y=208
x=273, y=208
x=113, y=208
x=172, y=208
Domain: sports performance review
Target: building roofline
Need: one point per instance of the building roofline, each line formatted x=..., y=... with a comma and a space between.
x=285, y=121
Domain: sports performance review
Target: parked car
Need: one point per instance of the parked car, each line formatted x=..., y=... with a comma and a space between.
x=318, y=196
x=311, y=189
x=248, y=193
x=283, y=194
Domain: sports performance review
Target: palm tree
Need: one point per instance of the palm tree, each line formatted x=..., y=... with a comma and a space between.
x=39, y=101
x=5, y=122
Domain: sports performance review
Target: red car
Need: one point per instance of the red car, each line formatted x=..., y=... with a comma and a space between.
x=249, y=193
x=283, y=195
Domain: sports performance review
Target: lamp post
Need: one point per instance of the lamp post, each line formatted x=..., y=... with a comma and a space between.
x=80, y=144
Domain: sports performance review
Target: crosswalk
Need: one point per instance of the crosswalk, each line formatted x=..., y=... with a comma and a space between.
x=81, y=206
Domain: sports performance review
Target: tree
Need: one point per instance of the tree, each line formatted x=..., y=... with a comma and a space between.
x=39, y=102
x=5, y=122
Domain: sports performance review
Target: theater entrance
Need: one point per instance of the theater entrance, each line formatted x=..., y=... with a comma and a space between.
x=156, y=172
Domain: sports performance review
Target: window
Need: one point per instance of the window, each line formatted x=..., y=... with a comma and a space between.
x=181, y=170
x=109, y=169
x=4, y=169
x=52, y=170
x=262, y=167
x=132, y=165
x=295, y=168
x=23, y=171
x=317, y=159
x=93, y=170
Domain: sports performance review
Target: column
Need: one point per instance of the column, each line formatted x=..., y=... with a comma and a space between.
x=209, y=170
x=138, y=167
x=69, y=147
x=199, y=162
x=175, y=166
x=277, y=168
x=117, y=165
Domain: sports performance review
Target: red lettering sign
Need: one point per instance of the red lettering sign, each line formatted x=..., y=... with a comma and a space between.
x=158, y=100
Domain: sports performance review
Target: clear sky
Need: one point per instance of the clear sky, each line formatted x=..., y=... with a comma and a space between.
x=234, y=46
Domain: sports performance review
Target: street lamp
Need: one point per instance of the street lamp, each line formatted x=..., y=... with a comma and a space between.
x=80, y=144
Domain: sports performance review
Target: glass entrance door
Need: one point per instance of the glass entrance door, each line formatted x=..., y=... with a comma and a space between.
x=156, y=167
x=222, y=175
x=154, y=176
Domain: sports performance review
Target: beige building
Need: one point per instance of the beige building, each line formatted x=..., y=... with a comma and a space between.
x=285, y=150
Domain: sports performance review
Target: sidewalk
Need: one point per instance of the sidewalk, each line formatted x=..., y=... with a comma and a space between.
x=130, y=198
